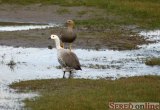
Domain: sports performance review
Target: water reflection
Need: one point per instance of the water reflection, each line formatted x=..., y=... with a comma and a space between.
x=26, y=27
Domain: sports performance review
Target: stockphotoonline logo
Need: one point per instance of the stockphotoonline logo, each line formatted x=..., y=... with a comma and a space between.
x=134, y=105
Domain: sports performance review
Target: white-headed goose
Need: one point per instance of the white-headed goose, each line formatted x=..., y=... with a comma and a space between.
x=67, y=59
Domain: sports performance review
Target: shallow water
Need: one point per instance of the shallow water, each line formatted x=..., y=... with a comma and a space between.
x=25, y=27
x=10, y=100
x=37, y=63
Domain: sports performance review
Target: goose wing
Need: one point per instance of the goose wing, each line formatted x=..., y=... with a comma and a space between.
x=69, y=59
x=67, y=36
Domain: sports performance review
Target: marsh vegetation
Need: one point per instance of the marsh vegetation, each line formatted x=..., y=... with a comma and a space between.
x=121, y=52
x=142, y=13
x=153, y=61
x=84, y=94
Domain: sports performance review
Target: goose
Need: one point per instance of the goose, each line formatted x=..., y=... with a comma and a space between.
x=67, y=59
x=68, y=35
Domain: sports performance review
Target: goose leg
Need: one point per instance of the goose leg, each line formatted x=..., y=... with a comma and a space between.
x=70, y=75
x=63, y=74
x=70, y=46
x=62, y=45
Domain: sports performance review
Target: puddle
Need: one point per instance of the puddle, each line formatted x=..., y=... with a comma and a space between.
x=151, y=35
x=33, y=63
x=10, y=100
x=37, y=63
x=25, y=27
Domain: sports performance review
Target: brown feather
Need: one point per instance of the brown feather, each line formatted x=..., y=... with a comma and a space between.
x=69, y=59
x=68, y=36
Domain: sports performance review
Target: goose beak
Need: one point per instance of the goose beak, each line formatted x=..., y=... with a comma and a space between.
x=49, y=38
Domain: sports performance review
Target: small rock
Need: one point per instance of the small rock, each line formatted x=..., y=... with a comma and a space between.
x=50, y=47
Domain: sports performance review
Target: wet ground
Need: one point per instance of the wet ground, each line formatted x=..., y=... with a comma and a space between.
x=21, y=63
x=115, y=39
x=40, y=13
x=24, y=54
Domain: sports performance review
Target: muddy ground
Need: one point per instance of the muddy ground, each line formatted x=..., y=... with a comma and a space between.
x=119, y=38
x=45, y=13
x=39, y=38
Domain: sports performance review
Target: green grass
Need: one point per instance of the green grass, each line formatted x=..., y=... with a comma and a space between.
x=81, y=94
x=143, y=13
x=153, y=61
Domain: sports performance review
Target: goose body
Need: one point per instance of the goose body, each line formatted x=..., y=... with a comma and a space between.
x=67, y=59
x=68, y=34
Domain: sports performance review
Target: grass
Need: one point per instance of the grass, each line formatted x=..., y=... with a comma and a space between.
x=63, y=11
x=113, y=39
x=143, y=13
x=82, y=94
x=11, y=64
x=153, y=61
x=82, y=12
